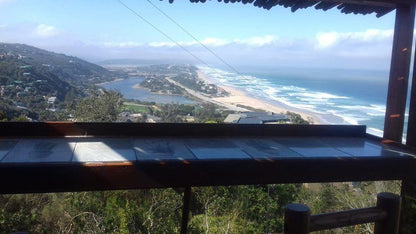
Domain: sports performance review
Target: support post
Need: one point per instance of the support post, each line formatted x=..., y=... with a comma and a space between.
x=390, y=203
x=408, y=214
x=297, y=219
x=399, y=72
x=185, y=209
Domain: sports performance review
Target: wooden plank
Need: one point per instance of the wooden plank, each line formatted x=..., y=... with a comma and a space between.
x=28, y=129
x=399, y=73
x=215, y=148
x=260, y=148
x=346, y=218
x=311, y=147
x=104, y=150
x=41, y=150
x=360, y=147
x=6, y=146
x=161, y=149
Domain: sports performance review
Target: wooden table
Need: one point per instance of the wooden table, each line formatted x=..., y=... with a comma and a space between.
x=53, y=157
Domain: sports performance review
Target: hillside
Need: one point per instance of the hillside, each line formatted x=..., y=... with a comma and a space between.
x=66, y=68
x=42, y=82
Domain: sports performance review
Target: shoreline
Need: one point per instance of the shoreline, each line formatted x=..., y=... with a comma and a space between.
x=108, y=82
x=239, y=97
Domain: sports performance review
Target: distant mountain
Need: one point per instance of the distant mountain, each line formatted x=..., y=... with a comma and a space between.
x=40, y=81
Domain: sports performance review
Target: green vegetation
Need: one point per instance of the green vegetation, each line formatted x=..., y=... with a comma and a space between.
x=100, y=106
x=162, y=86
x=296, y=118
x=224, y=209
x=41, y=84
x=242, y=209
x=343, y=196
x=135, y=108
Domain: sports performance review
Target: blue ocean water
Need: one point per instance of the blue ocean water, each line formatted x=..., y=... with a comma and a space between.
x=338, y=96
x=125, y=87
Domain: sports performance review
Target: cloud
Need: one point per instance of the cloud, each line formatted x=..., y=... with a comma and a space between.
x=43, y=30
x=329, y=39
x=219, y=42
x=364, y=49
x=258, y=41
x=128, y=44
x=212, y=41
x=162, y=44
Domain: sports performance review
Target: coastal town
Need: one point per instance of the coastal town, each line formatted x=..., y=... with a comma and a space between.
x=220, y=104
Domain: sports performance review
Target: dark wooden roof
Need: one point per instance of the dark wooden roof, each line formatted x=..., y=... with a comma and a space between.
x=379, y=7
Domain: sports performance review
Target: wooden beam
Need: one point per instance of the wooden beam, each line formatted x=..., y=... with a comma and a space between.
x=67, y=177
x=399, y=72
x=59, y=129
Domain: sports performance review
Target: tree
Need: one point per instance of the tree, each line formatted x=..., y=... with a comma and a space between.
x=101, y=106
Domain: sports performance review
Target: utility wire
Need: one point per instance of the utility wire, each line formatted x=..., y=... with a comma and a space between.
x=196, y=39
x=163, y=33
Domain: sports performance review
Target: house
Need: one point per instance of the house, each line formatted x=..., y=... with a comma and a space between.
x=51, y=100
x=256, y=118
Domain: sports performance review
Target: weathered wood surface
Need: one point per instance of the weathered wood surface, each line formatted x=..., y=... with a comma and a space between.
x=149, y=156
x=346, y=218
x=385, y=215
x=98, y=166
x=399, y=72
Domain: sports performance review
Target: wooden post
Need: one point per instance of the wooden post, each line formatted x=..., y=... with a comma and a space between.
x=390, y=203
x=297, y=219
x=185, y=209
x=408, y=214
x=399, y=72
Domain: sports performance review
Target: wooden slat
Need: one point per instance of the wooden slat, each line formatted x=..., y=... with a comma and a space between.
x=399, y=73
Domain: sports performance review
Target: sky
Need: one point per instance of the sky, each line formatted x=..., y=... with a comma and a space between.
x=239, y=35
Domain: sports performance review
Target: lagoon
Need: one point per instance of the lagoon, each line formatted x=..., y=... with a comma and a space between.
x=125, y=87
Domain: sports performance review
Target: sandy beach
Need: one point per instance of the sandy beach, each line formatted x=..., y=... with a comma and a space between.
x=238, y=97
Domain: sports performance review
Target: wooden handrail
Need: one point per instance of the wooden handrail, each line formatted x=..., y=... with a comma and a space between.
x=346, y=218
x=298, y=218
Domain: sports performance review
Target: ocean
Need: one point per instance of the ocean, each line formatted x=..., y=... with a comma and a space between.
x=338, y=96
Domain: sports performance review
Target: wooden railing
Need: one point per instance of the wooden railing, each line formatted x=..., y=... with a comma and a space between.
x=296, y=154
x=298, y=218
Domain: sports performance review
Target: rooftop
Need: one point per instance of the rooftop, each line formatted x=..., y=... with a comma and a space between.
x=379, y=7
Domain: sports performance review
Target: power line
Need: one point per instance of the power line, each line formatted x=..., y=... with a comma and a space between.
x=196, y=39
x=163, y=33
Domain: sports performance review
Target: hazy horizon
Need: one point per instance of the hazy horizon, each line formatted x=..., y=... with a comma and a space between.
x=239, y=35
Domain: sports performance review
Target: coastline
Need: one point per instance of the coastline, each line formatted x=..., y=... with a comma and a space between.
x=107, y=82
x=239, y=97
